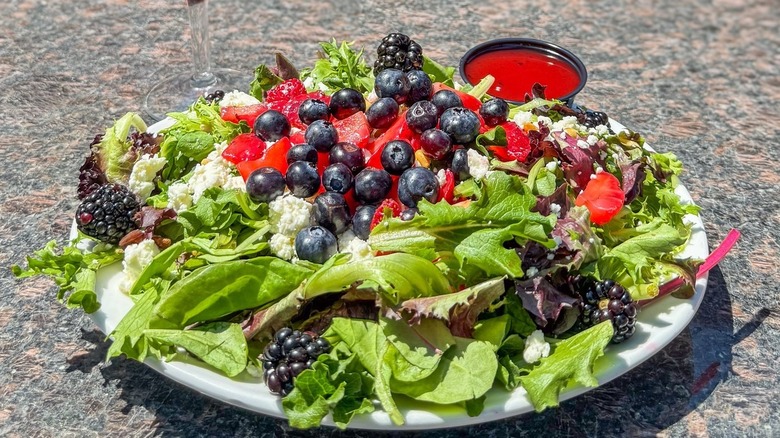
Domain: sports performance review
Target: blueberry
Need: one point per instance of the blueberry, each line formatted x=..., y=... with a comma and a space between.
x=361, y=221
x=436, y=143
x=372, y=185
x=322, y=135
x=461, y=124
x=337, y=178
x=302, y=179
x=346, y=102
x=348, y=154
x=265, y=184
x=313, y=109
x=392, y=83
x=315, y=244
x=302, y=152
x=332, y=212
x=271, y=126
x=460, y=164
x=494, y=111
x=382, y=113
x=408, y=214
x=421, y=86
x=417, y=183
x=445, y=99
x=397, y=156
x=422, y=116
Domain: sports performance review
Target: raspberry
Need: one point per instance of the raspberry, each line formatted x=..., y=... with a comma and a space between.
x=379, y=214
x=285, y=91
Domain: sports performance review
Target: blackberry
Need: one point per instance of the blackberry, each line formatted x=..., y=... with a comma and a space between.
x=607, y=300
x=591, y=118
x=400, y=52
x=289, y=354
x=107, y=213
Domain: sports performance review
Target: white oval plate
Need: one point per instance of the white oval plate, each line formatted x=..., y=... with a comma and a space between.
x=657, y=325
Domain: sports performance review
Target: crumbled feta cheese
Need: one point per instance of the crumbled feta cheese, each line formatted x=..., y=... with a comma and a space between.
x=288, y=215
x=592, y=176
x=582, y=144
x=441, y=176
x=565, y=122
x=544, y=120
x=137, y=257
x=599, y=169
x=552, y=165
x=235, y=182
x=308, y=83
x=602, y=130
x=523, y=117
x=142, y=177
x=555, y=209
x=558, y=242
x=535, y=347
x=530, y=272
x=550, y=256
x=478, y=164
x=592, y=139
x=237, y=98
x=282, y=246
x=351, y=244
x=215, y=173
x=216, y=154
x=179, y=197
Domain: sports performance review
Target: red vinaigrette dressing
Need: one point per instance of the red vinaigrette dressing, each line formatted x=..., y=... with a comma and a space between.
x=516, y=71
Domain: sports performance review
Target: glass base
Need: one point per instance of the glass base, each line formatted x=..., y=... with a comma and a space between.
x=177, y=93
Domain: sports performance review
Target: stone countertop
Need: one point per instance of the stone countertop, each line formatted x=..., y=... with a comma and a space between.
x=698, y=78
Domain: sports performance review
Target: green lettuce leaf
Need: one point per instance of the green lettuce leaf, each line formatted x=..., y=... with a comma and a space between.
x=341, y=67
x=570, y=362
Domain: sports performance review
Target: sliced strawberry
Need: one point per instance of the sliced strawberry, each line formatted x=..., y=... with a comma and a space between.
x=379, y=214
x=275, y=156
x=447, y=190
x=468, y=100
x=399, y=130
x=323, y=161
x=603, y=197
x=354, y=129
x=246, y=113
x=285, y=91
x=290, y=109
x=298, y=137
x=245, y=147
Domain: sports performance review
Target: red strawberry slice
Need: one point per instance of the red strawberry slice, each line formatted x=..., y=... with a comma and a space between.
x=275, y=156
x=603, y=197
x=290, y=109
x=246, y=113
x=354, y=129
x=245, y=147
x=379, y=214
x=447, y=190
x=399, y=130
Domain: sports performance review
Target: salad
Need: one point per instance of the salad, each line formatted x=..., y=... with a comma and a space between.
x=352, y=233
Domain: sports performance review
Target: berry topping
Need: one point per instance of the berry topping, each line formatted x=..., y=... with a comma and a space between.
x=591, y=118
x=445, y=99
x=607, y=300
x=313, y=109
x=107, y=213
x=494, y=111
x=460, y=164
x=289, y=354
x=322, y=135
x=346, y=102
x=285, y=91
x=436, y=143
x=398, y=51
x=272, y=126
x=379, y=214
x=349, y=155
x=214, y=96
x=315, y=244
x=422, y=116
x=417, y=183
x=461, y=124
x=337, y=178
x=382, y=113
x=302, y=179
x=361, y=221
x=397, y=156
x=420, y=86
x=332, y=212
x=302, y=152
x=372, y=185
x=265, y=184
x=392, y=83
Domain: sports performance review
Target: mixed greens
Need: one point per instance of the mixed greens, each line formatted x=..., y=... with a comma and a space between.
x=474, y=292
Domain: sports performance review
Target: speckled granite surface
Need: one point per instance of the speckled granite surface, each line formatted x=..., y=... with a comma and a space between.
x=699, y=78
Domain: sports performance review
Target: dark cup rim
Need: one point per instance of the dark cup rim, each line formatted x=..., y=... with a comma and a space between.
x=528, y=43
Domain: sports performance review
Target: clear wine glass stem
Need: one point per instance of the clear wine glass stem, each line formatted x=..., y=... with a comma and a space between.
x=202, y=76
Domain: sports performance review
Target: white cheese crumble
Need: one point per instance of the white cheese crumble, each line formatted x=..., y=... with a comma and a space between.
x=441, y=176
x=565, y=122
x=478, y=164
x=215, y=173
x=558, y=242
x=137, y=257
x=602, y=130
x=592, y=139
x=544, y=120
x=179, y=197
x=351, y=244
x=237, y=98
x=282, y=246
x=236, y=183
x=582, y=144
x=530, y=272
x=552, y=165
x=288, y=215
x=535, y=347
x=523, y=117
x=142, y=177
x=555, y=209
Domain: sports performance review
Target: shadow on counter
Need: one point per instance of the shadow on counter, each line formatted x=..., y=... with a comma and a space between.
x=647, y=400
